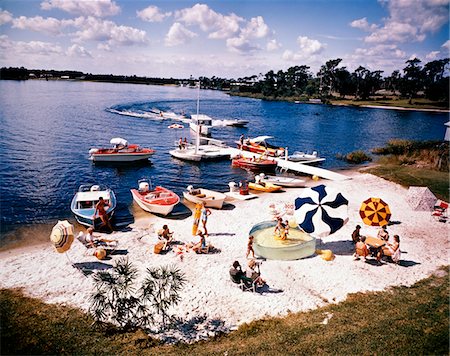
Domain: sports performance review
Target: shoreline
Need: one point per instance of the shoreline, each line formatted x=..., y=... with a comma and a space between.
x=294, y=286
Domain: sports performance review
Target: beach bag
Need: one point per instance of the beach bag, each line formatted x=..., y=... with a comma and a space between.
x=158, y=247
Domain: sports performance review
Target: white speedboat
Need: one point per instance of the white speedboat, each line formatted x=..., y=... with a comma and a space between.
x=303, y=157
x=120, y=152
x=159, y=200
x=282, y=181
x=84, y=202
x=211, y=198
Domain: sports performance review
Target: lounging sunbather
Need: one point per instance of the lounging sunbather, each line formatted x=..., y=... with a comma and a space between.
x=392, y=250
x=253, y=274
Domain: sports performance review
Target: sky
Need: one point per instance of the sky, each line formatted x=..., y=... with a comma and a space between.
x=222, y=38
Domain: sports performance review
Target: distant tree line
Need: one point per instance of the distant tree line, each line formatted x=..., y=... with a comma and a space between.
x=430, y=81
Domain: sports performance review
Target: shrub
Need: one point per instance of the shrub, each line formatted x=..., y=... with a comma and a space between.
x=355, y=157
x=117, y=300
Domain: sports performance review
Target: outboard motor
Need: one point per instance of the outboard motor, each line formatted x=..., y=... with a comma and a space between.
x=143, y=187
x=95, y=188
x=189, y=188
x=232, y=186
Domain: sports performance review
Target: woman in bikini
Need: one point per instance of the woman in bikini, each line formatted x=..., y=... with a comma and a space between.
x=100, y=208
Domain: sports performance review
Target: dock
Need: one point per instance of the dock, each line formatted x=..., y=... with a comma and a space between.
x=289, y=165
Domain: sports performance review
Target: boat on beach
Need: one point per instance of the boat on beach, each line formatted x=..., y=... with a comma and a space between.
x=264, y=187
x=158, y=201
x=261, y=146
x=211, y=198
x=282, y=181
x=255, y=164
x=120, y=152
x=84, y=202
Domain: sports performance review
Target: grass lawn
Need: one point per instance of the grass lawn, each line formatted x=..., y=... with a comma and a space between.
x=400, y=321
x=403, y=103
x=436, y=181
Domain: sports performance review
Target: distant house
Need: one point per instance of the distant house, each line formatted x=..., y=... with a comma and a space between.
x=447, y=131
x=32, y=76
x=66, y=77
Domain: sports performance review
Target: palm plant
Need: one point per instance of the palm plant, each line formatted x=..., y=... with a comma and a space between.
x=117, y=300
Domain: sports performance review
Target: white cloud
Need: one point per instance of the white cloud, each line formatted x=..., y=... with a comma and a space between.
x=256, y=28
x=362, y=24
x=208, y=20
x=240, y=45
x=152, y=14
x=432, y=55
x=309, y=46
x=98, y=8
x=28, y=48
x=178, y=34
x=408, y=20
x=93, y=29
x=380, y=51
x=273, y=45
x=47, y=25
x=104, y=47
x=446, y=45
x=78, y=51
x=5, y=17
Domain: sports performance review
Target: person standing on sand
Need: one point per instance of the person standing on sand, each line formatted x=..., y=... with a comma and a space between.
x=100, y=208
x=250, y=247
x=204, y=216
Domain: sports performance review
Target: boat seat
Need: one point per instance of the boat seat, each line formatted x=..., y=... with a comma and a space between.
x=195, y=192
x=201, y=195
x=164, y=195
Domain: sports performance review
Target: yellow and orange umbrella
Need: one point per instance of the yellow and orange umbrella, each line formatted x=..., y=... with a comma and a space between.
x=62, y=236
x=375, y=212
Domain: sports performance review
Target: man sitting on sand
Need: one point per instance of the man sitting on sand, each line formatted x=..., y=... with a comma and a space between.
x=356, y=236
x=236, y=272
x=253, y=274
x=166, y=236
x=361, y=249
x=383, y=234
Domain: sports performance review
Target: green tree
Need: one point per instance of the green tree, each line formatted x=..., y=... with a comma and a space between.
x=413, y=78
x=327, y=75
x=436, y=81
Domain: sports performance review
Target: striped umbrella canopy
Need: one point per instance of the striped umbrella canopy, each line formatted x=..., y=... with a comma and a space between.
x=62, y=236
x=375, y=212
x=321, y=211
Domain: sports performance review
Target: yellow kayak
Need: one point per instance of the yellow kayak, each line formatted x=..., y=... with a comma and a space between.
x=264, y=187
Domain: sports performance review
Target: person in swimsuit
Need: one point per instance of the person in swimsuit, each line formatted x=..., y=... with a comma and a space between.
x=100, y=210
x=250, y=247
x=204, y=217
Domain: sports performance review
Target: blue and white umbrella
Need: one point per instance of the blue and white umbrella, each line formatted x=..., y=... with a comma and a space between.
x=321, y=211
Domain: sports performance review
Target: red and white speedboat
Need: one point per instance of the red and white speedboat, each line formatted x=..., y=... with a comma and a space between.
x=120, y=152
x=158, y=201
x=255, y=164
x=261, y=146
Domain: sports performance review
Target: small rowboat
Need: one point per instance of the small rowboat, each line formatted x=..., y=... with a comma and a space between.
x=158, y=201
x=264, y=187
x=258, y=164
x=84, y=202
x=211, y=198
x=175, y=126
x=282, y=181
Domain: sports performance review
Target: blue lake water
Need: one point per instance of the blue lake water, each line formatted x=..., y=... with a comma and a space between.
x=48, y=128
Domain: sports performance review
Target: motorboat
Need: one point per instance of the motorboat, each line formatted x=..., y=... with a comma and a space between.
x=261, y=146
x=264, y=187
x=211, y=198
x=158, y=201
x=236, y=122
x=257, y=164
x=303, y=157
x=120, y=152
x=84, y=202
x=282, y=181
x=201, y=123
x=175, y=126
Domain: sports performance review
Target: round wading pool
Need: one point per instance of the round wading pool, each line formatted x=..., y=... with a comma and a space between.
x=267, y=244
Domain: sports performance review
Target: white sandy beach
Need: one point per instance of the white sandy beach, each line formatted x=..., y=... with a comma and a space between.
x=305, y=284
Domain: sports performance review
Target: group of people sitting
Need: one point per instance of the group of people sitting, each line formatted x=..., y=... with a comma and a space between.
x=252, y=273
x=281, y=229
x=182, y=144
x=166, y=237
x=387, y=248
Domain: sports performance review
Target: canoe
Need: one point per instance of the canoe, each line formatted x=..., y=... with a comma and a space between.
x=158, y=201
x=264, y=187
x=211, y=198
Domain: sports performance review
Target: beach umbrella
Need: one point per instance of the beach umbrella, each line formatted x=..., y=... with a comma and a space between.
x=321, y=211
x=62, y=236
x=375, y=212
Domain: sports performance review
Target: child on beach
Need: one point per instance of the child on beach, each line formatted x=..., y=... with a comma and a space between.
x=204, y=216
x=250, y=247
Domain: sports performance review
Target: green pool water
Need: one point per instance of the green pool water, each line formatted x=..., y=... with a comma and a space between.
x=297, y=245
